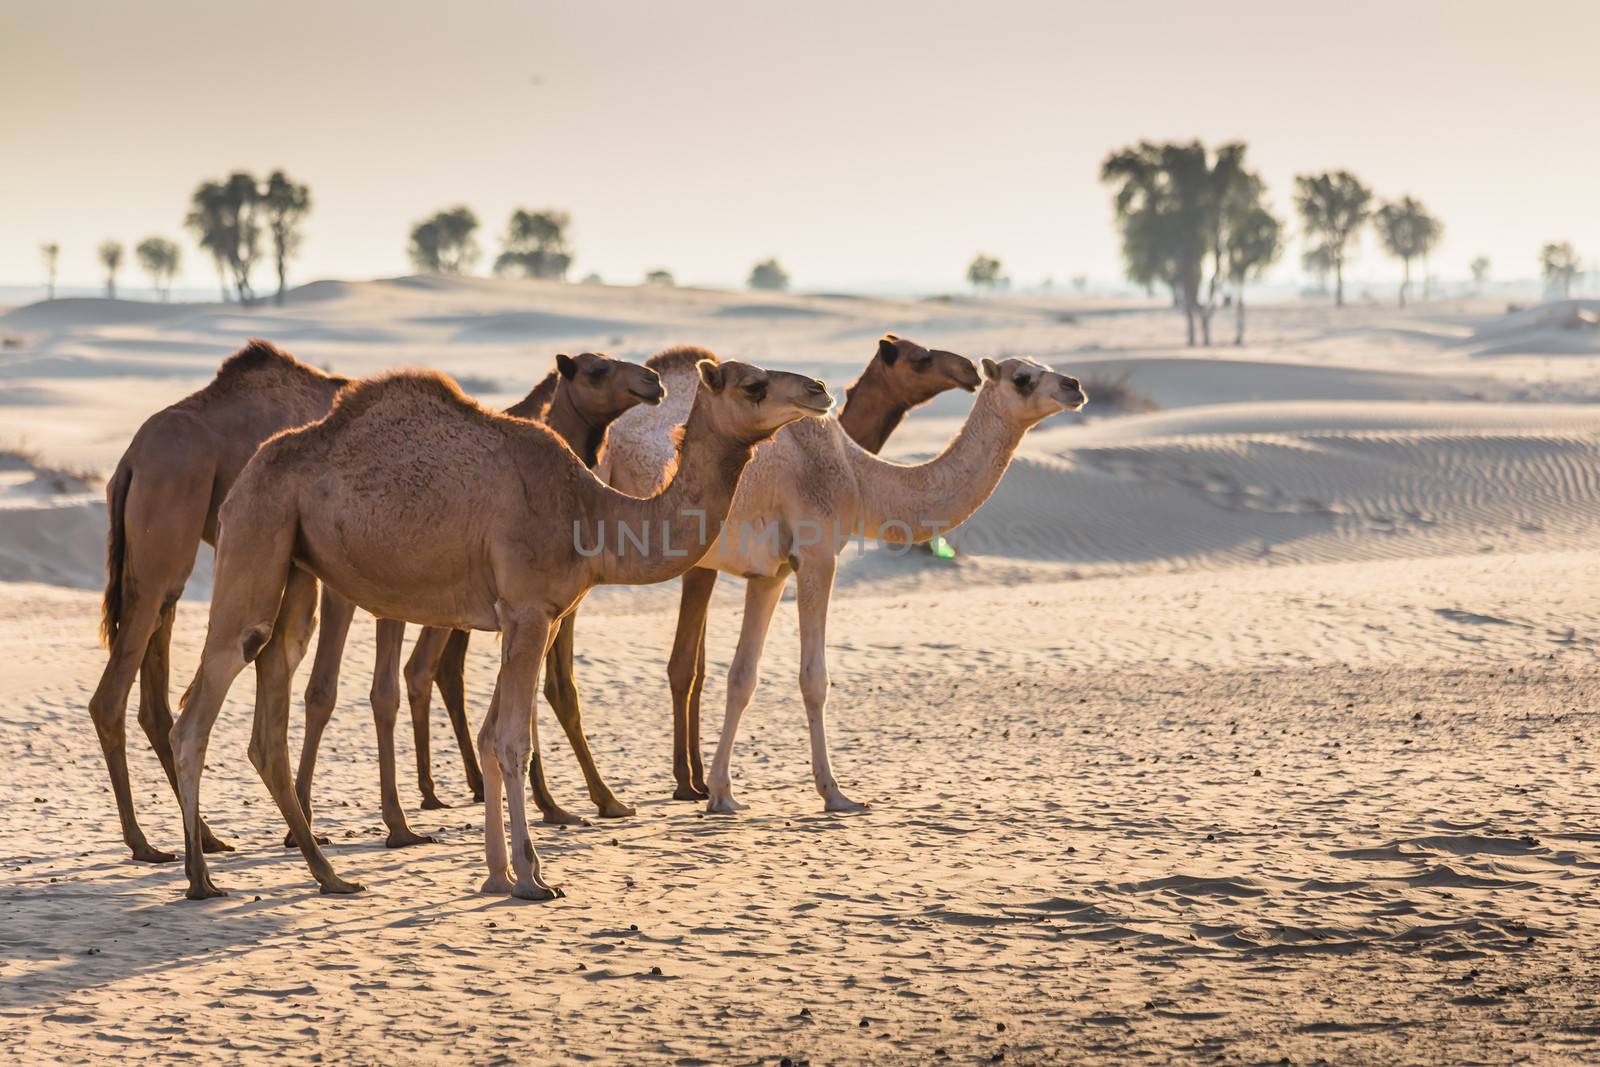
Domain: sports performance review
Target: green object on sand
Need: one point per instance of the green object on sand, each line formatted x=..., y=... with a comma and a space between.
x=941, y=548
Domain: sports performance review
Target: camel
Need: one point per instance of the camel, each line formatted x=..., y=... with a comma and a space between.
x=900, y=376
x=804, y=496
x=578, y=401
x=418, y=504
x=162, y=501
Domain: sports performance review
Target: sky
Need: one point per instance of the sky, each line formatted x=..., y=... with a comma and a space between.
x=864, y=144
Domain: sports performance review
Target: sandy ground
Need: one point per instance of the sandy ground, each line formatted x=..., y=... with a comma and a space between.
x=1256, y=727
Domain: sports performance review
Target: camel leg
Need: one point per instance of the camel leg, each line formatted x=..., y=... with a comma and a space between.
x=553, y=814
x=525, y=640
x=494, y=830
x=322, y=693
x=440, y=655
x=269, y=739
x=452, y=683
x=108, y=709
x=562, y=692
x=252, y=576
x=761, y=596
x=814, y=588
x=385, y=710
x=155, y=709
x=686, y=671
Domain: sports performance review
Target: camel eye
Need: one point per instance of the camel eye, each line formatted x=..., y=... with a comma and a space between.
x=756, y=391
x=922, y=362
x=599, y=372
x=1023, y=382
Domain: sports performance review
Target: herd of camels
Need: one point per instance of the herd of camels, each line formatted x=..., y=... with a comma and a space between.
x=401, y=495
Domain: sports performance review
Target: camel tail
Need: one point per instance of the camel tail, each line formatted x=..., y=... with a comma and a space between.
x=116, y=552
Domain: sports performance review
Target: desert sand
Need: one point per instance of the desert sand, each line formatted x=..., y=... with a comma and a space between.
x=1253, y=723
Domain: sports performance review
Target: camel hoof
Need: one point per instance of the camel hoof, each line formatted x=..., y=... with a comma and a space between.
x=498, y=884
x=616, y=809
x=477, y=795
x=406, y=837
x=723, y=805
x=339, y=887
x=562, y=817
x=204, y=889
x=842, y=803
x=689, y=792
x=210, y=842
x=537, y=892
x=143, y=853
x=432, y=803
x=290, y=842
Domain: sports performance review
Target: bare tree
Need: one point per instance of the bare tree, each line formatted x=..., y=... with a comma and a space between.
x=159, y=258
x=1333, y=206
x=1558, y=261
x=1407, y=231
x=444, y=243
x=286, y=205
x=110, y=254
x=51, y=253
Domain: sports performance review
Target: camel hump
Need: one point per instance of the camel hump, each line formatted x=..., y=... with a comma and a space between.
x=678, y=357
x=398, y=391
x=260, y=355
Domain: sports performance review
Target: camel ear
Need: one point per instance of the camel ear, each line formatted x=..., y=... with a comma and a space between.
x=711, y=374
x=566, y=365
x=888, y=351
x=991, y=369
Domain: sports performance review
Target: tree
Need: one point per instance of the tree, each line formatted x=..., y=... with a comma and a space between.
x=1333, y=206
x=444, y=243
x=1253, y=242
x=768, y=276
x=1406, y=231
x=1558, y=261
x=1171, y=203
x=159, y=258
x=225, y=219
x=286, y=205
x=660, y=276
x=51, y=253
x=983, y=272
x=535, y=245
x=1480, y=270
x=111, y=258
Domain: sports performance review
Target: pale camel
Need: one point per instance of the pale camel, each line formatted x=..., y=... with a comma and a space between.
x=807, y=493
x=162, y=501
x=902, y=375
x=578, y=401
x=418, y=504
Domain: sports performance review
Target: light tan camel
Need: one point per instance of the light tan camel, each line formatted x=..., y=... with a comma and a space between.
x=804, y=496
x=162, y=502
x=577, y=401
x=418, y=504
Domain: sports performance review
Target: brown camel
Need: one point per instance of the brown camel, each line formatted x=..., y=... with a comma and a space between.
x=577, y=400
x=162, y=501
x=812, y=489
x=418, y=504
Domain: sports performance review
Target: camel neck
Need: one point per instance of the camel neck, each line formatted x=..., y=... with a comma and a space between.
x=871, y=410
x=660, y=537
x=584, y=434
x=919, y=501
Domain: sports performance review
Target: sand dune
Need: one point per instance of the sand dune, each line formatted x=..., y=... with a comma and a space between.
x=1256, y=726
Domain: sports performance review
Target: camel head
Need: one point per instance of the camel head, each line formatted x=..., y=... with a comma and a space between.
x=749, y=403
x=1027, y=392
x=918, y=375
x=602, y=388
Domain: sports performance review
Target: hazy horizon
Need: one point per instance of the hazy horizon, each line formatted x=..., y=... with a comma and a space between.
x=862, y=147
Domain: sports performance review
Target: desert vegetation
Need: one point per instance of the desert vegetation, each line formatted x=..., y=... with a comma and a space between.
x=535, y=245
x=1407, y=232
x=768, y=276
x=445, y=243
x=1333, y=207
x=984, y=272
x=160, y=259
x=110, y=256
x=50, y=252
x=227, y=218
x=1559, y=265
